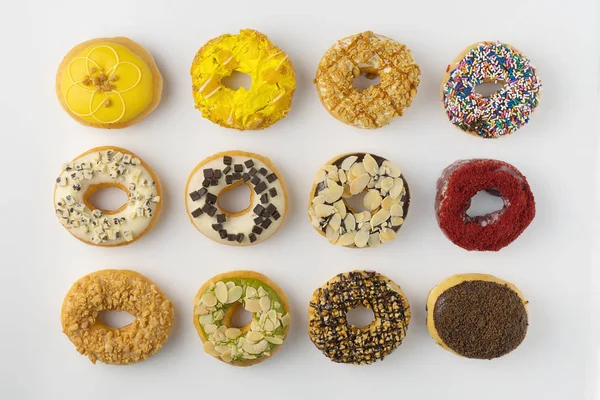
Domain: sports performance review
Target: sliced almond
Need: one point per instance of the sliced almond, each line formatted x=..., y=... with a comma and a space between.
x=286, y=319
x=319, y=176
x=250, y=292
x=332, y=234
x=230, y=285
x=332, y=169
x=226, y=356
x=374, y=240
x=387, y=183
x=261, y=346
x=269, y=326
x=350, y=222
x=209, y=347
x=261, y=291
x=232, y=333
x=265, y=303
x=380, y=217
x=210, y=328
x=359, y=184
x=323, y=210
x=396, y=211
x=254, y=336
x=397, y=221
x=357, y=170
x=386, y=235
x=348, y=161
x=205, y=319
x=273, y=340
x=316, y=222
x=361, y=238
x=252, y=305
x=320, y=199
x=370, y=198
x=359, y=217
x=347, y=193
x=335, y=221
x=221, y=291
x=334, y=192
x=341, y=208
x=388, y=202
x=366, y=216
x=396, y=190
x=347, y=238
x=342, y=175
x=394, y=171
x=209, y=299
x=234, y=294
x=370, y=165
x=366, y=226
x=333, y=176
x=200, y=310
x=248, y=347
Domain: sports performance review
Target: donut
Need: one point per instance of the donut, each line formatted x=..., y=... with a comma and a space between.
x=122, y=290
x=107, y=167
x=268, y=100
x=491, y=232
x=477, y=316
x=503, y=112
x=218, y=300
x=108, y=83
x=371, y=55
x=387, y=199
x=223, y=172
x=345, y=343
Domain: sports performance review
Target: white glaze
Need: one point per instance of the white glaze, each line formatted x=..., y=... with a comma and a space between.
x=111, y=167
x=240, y=224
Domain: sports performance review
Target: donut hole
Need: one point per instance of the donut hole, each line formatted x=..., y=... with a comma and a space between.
x=487, y=89
x=366, y=79
x=115, y=318
x=109, y=199
x=356, y=202
x=484, y=203
x=360, y=317
x=237, y=80
x=235, y=199
x=240, y=317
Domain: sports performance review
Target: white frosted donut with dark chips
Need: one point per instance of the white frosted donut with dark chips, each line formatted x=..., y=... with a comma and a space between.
x=386, y=200
x=223, y=172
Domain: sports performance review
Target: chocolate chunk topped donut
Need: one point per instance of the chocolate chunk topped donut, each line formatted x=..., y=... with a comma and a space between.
x=477, y=316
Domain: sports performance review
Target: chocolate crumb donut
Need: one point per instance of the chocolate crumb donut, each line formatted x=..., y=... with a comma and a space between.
x=477, y=316
x=461, y=181
x=124, y=290
x=345, y=343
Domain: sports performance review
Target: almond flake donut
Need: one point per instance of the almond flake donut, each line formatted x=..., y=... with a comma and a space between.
x=223, y=172
x=121, y=290
x=217, y=301
x=491, y=232
x=268, y=100
x=477, y=316
x=387, y=198
x=344, y=343
x=503, y=112
x=373, y=55
x=107, y=167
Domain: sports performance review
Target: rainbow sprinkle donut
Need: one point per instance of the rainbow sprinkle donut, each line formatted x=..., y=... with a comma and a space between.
x=503, y=112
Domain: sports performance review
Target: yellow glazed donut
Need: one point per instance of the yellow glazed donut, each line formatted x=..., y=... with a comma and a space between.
x=372, y=55
x=273, y=81
x=223, y=172
x=217, y=301
x=122, y=290
x=477, y=316
x=105, y=167
x=108, y=83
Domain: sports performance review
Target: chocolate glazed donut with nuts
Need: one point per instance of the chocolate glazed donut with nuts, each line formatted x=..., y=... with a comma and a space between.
x=344, y=343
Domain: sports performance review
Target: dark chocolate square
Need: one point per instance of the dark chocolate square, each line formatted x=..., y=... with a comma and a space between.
x=245, y=177
x=264, y=199
x=239, y=238
x=276, y=215
x=263, y=171
x=217, y=227
x=214, y=182
x=228, y=179
x=258, y=220
x=257, y=230
x=217, y=174
x=252, y=171
x=248, y=163
x=236, y=176
x=238, y=168
x=208, y=173
x=206, y=183
x=252, y=237
x=197, y=212
x=255, y=181
x=258, y=209
x=221, y=218
x=226, y=170
x=231, y=237
x=261, y=187
x=195, y=196
x=266, y=223
x=202, y=191
x=227, y=160
x=273, y=192
x=271, y=178
x=211, y=198
x=223, y=234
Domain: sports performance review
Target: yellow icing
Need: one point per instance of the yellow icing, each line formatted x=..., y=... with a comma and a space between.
x=107, y=83
x=273, y=81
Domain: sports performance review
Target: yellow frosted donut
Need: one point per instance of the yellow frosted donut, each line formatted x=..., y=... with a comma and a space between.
x=273, y=81
x=108, y=83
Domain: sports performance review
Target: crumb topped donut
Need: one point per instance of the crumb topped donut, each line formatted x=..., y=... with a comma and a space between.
x=477, y=316
x=387, y=199
x=501, y=113
x=345, y=343
x=268, y=100
x=108, y=83
x=223, y=172
x=491, y=232
x=107, y=167
x=218, y=300
x=122, y=290
x=372, y=55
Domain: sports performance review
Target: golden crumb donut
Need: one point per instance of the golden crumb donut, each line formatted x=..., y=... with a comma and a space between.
x=223, y=172
x=386, y=200
x=122, y=290
x=477, y=316
x=108, y=83
x=107, y=167
x=345, y=343
x=250, y=52
x=217, y=301
x=371, y=55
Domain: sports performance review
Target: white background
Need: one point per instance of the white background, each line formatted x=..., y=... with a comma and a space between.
x=550, y=262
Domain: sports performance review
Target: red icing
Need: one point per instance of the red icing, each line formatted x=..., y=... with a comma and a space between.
x=463, y=180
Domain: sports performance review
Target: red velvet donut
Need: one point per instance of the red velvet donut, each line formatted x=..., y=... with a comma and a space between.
x=491, y=232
